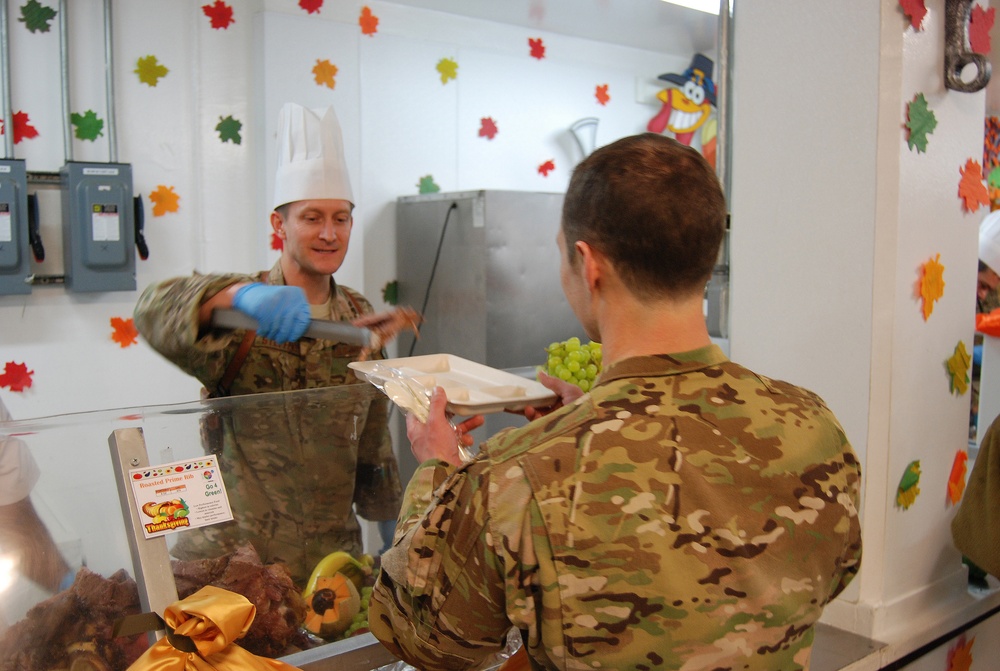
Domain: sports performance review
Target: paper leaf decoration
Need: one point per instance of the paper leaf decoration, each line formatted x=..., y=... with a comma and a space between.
x=545, y=168
x=427, y=185
x=390, y=293
x=36, y=16
x=16, y=376
x=908, y=490
x=601, y=93
x=324, y=73
x=915, y=11
x=23, y=130
x=931, y=284
x=229, y=130
x=277, y=244
x=537, y=47
x=487, y=128
x=448, y=69
x=980, y=24
x=920, y=122
x=993, y=179
x=960, y=657
x=311, y=6
x=368, y=21
x=220, y=14
x=971, y=189
x=164, y=200
x=956, y=480
x=150, y=71
x=88, y=125
x=958, y=369
x=123, y=331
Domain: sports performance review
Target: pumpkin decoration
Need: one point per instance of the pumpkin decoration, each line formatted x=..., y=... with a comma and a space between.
x=332, y=605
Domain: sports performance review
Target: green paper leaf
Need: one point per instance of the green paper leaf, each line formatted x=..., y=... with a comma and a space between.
x=390, y=292
x=36, y=16
x=229, y=130
x=920, y=122
x=427, y=185
x=88, y=126
x=993, y=179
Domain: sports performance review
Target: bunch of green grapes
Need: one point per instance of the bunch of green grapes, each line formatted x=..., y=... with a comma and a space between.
x=574, y=362
x=359, y=624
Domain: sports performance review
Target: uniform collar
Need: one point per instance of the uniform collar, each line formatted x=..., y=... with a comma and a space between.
x=665, y=364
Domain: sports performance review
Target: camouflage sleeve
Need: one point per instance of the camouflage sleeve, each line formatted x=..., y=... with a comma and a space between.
x=377, y=492
x=166, y=316
x=439, y=602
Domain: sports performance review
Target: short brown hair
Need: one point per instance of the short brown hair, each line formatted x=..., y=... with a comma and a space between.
x=654, y=207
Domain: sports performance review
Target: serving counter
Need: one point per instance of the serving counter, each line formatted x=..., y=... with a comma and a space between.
x=88, y=520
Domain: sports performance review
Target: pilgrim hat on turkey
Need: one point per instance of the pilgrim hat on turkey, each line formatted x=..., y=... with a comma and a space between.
x=700, y=72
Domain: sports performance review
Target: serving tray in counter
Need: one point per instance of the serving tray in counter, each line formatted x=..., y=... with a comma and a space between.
x=472, y=388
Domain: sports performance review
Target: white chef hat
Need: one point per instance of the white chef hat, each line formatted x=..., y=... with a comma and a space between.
x=311, y=161
x=989, y=240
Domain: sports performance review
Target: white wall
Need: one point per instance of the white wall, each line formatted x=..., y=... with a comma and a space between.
x=400, y=123
x=833, y=216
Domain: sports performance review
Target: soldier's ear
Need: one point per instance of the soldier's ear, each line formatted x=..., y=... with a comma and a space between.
x=278, y=224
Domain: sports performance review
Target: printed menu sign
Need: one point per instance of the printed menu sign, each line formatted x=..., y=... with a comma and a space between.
x=181, y=495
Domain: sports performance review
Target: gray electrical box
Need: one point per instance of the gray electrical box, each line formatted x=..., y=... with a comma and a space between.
x=15, y=268
x=98, y=226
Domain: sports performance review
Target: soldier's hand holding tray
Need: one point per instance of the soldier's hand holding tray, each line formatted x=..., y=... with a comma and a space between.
x=567, y=393
x=438, y=438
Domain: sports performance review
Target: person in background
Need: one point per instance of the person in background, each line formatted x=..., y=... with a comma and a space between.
x=987, y=300
x=685, y=512
x=24, y=538
x=293, y=483
x=987, y=296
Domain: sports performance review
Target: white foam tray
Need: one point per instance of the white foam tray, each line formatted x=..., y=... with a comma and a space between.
x=472, y=388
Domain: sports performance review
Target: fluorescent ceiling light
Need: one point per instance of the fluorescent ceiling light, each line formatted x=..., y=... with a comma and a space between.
x=708, y=6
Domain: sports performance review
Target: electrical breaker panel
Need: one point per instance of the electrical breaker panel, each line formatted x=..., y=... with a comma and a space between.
x=98, y=226
x=15, y=269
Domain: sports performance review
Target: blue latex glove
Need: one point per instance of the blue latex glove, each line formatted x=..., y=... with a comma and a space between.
x=282, y=313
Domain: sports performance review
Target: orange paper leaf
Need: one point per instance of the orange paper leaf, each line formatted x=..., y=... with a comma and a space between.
x=16, y=376
x=368, y=21
x=960, y=657
x=971, y=188
x=931, y=284
x=123, y=331
x=956, y=480
x=324, y=72
x=164, y=200
x=601, y=93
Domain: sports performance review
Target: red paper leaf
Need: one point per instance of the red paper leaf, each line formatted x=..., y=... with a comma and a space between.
x=311, y=6
x=545, y=168
x=220, y=14
x=23, y=130
x=915, y=11
x=980, y=24
x=488, y=128
x=277, y=244
x=601, y=93
x=16, y=376
x=368, y=21
x=537, y=48
x=971, y=188
x=123, y=331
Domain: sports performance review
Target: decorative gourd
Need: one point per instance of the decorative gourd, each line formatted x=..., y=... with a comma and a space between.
x=332, y=605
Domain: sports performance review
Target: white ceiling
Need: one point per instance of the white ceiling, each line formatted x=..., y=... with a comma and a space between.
x=645, y=24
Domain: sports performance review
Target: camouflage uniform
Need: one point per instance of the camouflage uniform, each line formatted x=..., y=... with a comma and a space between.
x=294, y=466
x=685, y=514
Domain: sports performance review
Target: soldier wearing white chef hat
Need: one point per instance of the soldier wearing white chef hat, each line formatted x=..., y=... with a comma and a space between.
x=313, y=205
